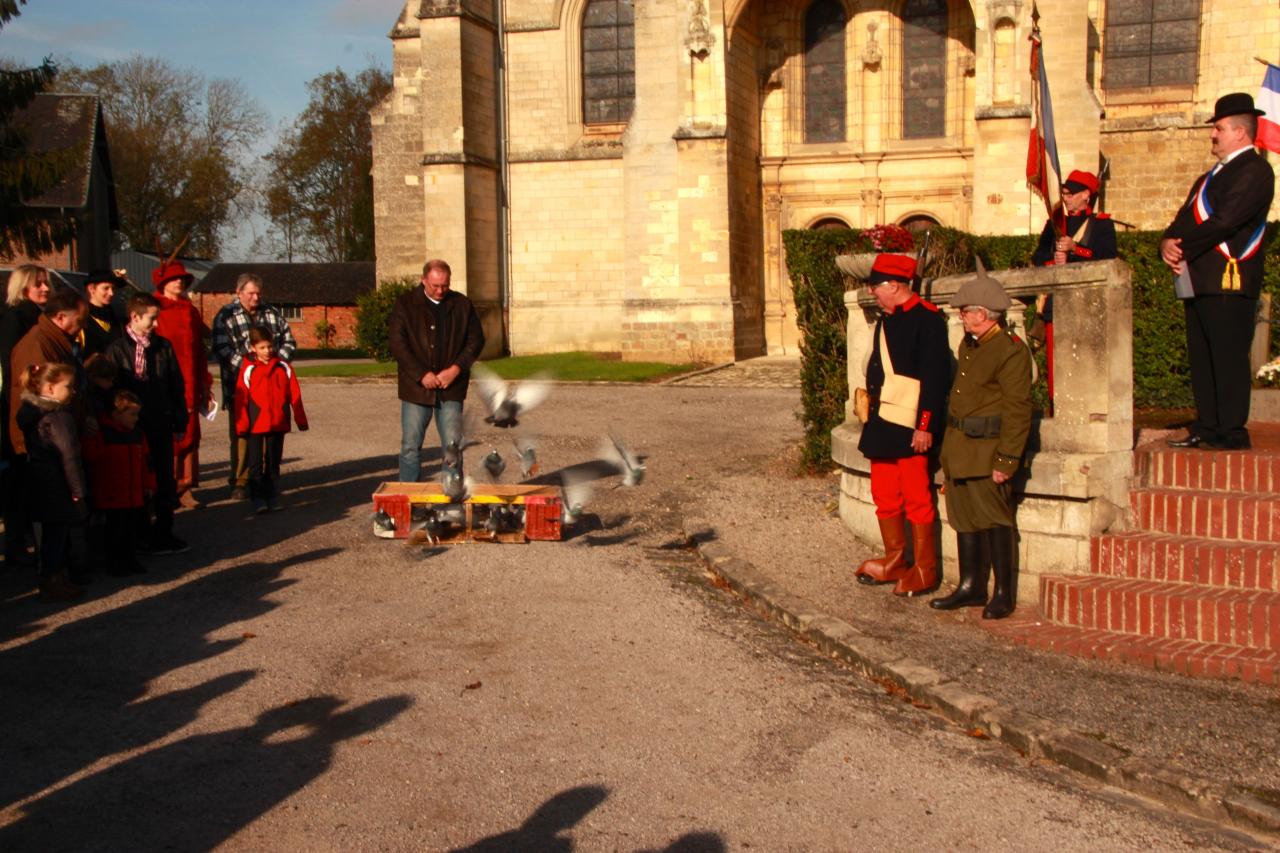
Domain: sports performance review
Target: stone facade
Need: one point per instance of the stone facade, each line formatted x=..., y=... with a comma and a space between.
x=661, y=237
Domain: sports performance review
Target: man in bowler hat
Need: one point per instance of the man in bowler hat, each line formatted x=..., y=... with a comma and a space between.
x=1215, y=242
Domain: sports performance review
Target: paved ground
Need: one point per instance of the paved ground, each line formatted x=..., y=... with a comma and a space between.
x=294, y=683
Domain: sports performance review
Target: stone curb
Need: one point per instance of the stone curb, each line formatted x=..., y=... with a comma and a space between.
x=1030, y=734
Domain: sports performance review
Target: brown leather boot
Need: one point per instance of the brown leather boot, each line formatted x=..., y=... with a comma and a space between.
x=923, y=576
x=892, y=566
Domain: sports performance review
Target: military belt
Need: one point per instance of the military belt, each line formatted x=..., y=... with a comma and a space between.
x=988, y=427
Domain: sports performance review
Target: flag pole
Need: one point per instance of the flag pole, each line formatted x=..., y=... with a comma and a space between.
x=1037, y=161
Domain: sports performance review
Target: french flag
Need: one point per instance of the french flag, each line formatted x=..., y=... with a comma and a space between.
x=1269, y=102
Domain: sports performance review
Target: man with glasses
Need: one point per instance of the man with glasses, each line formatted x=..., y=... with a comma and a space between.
x=988, y=421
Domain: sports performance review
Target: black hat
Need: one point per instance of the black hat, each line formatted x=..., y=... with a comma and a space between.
x=1237, y=103
x=103, y=277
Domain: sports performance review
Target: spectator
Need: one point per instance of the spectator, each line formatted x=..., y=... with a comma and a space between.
x=56, y=490
x=231, y=346
x=149, y=368
x=182, y=326
x=103, y=325
x=266, y=391
x=120, y=475
x=51, y=340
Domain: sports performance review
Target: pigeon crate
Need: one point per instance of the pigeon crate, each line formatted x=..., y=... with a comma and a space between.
x=537, y=508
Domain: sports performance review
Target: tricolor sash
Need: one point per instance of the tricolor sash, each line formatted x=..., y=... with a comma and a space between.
x=1203, y=210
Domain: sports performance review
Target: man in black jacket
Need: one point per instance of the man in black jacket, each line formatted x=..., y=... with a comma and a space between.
x=1214, y=246
x=435, y=336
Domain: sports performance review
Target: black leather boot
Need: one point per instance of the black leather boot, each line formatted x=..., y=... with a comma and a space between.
x=1001, y=604
x=975, y=563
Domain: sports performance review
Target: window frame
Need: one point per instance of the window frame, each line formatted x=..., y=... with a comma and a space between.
x=617, y=124
x=843, y=76
x=1151, y=84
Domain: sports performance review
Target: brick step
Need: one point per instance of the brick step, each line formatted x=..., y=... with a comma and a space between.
x=1187, y=560
x=1169, y=611
x=1207, y=514
x=1188, y=657
x=1256, y=470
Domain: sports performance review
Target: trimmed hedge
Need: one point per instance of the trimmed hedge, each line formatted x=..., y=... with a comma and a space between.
x=1160, y=372
x=372, y=311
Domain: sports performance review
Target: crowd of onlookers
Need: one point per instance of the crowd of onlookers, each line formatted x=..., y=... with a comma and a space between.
x=103, y=396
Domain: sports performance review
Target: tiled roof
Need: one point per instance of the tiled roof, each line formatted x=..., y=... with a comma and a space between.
x=60, y=121
x=297, y=284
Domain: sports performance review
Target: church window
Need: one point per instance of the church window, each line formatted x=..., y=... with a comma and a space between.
x=1151, y=43
x=608, y=61
x=824, y=72
x=924, y=63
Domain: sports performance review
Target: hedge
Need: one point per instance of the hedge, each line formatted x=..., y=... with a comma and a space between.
x=1160, y=373
x=372, y=311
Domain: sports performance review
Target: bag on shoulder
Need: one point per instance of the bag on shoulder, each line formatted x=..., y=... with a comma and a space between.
x=900, y=395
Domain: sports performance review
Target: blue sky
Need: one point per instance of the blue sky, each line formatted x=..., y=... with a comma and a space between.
x=273, y=46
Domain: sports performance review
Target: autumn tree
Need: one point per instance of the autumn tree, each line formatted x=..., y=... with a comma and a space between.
x=180, y=150
x=319, y=191
x=24, y=174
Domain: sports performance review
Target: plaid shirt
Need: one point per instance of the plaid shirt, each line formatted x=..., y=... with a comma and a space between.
x=231, y=339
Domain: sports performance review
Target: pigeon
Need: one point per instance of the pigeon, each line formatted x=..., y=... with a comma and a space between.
x=506, y=403
x=429, y=527
x=383, y=525
x=622, y=458
x=527, y=448
x=577, y=491
x=494, y=464
x=456, y=486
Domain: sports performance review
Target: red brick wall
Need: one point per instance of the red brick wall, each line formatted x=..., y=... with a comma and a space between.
x=341, y=317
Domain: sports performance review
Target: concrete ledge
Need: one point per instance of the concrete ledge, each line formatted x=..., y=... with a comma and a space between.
x=1029, y=734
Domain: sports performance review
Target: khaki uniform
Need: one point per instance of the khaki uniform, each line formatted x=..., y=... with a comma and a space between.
x=988, y=421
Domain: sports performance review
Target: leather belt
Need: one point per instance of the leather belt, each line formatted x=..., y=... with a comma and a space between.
x=973, y=427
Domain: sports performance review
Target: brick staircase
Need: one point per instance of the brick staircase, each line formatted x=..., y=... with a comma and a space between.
x=1195, y=588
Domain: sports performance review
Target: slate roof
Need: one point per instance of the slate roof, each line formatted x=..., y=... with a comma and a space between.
x=56, y=121
x=297, y=284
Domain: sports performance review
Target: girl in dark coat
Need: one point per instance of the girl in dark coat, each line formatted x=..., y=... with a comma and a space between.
x=56, y=488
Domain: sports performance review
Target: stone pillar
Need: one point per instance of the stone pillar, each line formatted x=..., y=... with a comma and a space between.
x=1075, y=484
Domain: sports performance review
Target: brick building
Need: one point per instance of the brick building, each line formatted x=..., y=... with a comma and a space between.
x=312, y=297
x=615, y=176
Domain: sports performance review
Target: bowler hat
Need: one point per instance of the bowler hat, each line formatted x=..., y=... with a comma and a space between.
x=104, y=276
x=168, y=272
x=1237, y=103
x=891, y=268
x=1080, y=180
x=982, y=290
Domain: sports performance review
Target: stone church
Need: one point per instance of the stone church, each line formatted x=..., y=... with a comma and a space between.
x=616, y=175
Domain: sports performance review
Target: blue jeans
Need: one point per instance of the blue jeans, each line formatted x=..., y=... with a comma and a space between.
x=414, y=420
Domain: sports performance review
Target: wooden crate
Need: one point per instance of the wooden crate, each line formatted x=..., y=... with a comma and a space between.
x=541, y=504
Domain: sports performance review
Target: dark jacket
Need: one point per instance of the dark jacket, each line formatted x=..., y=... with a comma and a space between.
x=1098, y=243
x=993, y=377
x=265, y=396
x=412, y=337
x=1240, y=196
x=101, y=329
x=55, y=477
x=916, y=336
x=15, y=321
x=44, y=343
x=163, y=395
x=119, y=466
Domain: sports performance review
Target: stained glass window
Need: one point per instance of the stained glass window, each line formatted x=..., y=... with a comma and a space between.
x=924, y=69
x=1151, y=43
x=824, y=72
x=608, y=61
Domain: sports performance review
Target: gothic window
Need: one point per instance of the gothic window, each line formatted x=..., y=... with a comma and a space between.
x=924, y=64
x=1151, y=43
x=608, y=61
x=824, y=72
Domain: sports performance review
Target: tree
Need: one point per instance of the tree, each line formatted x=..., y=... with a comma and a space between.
x=319, y=191
x=179, y=149
x=24, y=174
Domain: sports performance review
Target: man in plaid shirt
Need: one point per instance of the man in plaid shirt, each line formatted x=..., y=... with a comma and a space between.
x=231, y=343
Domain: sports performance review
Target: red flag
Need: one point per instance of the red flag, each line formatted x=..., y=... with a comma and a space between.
x=1042, y=147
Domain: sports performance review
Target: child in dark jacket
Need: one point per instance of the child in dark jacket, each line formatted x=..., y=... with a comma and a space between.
x=55, y=480
x=266, y=391
x=149, y=368
x=120, y=475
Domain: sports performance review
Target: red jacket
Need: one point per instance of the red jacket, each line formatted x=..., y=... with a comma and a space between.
x=119, y=466
x=180, y=324
x=264, y=395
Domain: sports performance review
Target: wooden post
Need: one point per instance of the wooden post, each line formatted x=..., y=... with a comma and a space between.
x=1260, y=351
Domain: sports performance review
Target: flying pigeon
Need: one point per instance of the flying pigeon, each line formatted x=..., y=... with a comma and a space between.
x=527, y=448
x=577, y=491
x=456, y=486
x=506, y=403
x=621, y=457
x=494, y=464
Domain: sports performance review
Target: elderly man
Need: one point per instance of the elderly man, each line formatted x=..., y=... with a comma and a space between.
x=1214, y=247
x=51, y=339
x=910, y=340
x=435, y=336
x=230, y=345
x=988, y=421
x=103, y=325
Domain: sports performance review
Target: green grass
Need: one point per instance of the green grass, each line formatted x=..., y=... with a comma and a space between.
x=566, y=367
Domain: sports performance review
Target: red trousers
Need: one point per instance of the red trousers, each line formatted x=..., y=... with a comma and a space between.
x=903, y=484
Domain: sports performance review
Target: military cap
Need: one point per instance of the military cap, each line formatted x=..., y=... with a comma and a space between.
x=982, y=290
x=891, y=268
x=1081, y=180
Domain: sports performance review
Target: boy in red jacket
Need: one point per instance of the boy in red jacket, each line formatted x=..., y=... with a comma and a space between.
x=266, y=391
x=120, y=475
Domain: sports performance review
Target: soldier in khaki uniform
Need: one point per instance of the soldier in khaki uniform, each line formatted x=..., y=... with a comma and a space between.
x=988, y=420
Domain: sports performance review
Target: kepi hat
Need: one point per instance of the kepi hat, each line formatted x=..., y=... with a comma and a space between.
x=891, y=268
x=1234, y=104
x=1081, y=180
x=168, y=272
x=982, y=290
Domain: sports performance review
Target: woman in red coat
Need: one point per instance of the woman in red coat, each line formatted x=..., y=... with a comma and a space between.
x=180, y=323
